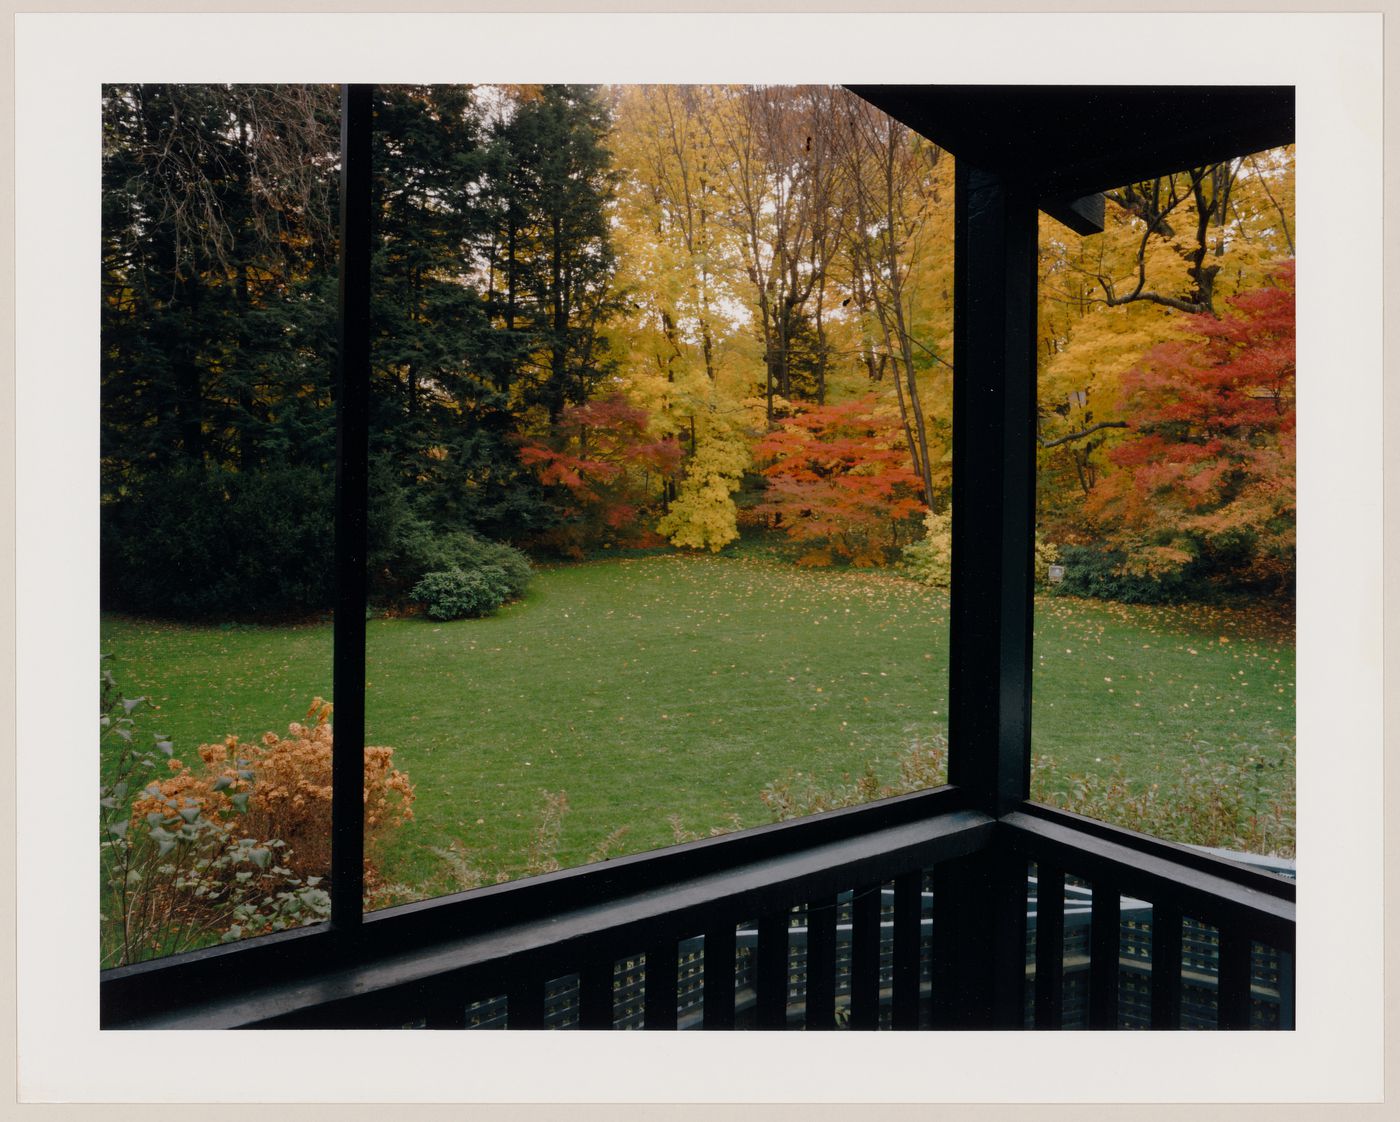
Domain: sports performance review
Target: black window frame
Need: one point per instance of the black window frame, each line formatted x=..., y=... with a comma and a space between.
x=1005, y=176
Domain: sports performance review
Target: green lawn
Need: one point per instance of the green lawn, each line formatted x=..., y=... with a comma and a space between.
x=1111, y=679
x=667, y=690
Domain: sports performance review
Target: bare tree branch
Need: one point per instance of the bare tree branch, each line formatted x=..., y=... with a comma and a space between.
x=1283, y=218
x=1081, y=434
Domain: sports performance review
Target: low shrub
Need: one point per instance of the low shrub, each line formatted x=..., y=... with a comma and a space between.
x=178, y=873
x=282, y=788
x=1209, y=801
x=1102, y=574
x=418, y=551
x=460, y=869
x=458, y=594
x=1046, y=554
x=922, y=765
x=930, y=559
x=472, y=552
x=1225, y=567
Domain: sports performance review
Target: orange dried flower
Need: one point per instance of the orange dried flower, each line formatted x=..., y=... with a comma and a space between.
x=290, y=794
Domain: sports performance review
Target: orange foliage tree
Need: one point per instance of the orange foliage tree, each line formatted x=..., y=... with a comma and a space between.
x=603, y=468
x=1207, y=475
x=840, y=476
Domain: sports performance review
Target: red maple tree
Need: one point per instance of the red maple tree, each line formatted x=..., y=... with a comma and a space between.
x=603, y=467
x=1209, y=471
x=839, y=476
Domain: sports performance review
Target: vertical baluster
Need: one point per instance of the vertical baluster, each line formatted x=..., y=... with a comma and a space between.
x=980, y=942
x=719, y=977
x=865, y=957
x=946, y=981
x=525, y=1002
x=660, y=987
x=821, y=963
x=1286, y=988
x=1166, y=967
x=443, y=1007
x=1103, y=958
x=771, y=962
x=1234, y=983
x=595, y=995
x=908, y=901
x=1049, y=947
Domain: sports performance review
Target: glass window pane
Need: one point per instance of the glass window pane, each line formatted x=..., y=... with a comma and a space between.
x=218, y=438
x=637, y=534
x=1164, y=629
x=653, y=426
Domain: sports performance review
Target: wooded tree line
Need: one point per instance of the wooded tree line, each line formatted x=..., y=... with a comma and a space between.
x=618, y=316
x=493, y=279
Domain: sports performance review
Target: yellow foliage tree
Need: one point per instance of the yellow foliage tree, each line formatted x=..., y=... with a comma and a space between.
x=688, y=358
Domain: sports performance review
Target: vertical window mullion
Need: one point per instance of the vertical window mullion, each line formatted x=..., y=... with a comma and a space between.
x=351, y=502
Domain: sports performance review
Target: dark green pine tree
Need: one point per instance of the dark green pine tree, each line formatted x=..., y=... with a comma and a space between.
x=216, y=364
x=155, y=315
x=551, y=260
x=444, y=422
x=216, y=224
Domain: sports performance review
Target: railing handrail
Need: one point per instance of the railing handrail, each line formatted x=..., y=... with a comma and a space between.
x=1215, y=862
x=1213, y=889
x=412, y=958
x=288, y=956
x=674, y=910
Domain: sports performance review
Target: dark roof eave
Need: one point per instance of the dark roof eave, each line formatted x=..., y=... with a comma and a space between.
x=1077, y=140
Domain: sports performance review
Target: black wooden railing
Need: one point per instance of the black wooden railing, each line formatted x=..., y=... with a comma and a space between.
x=863, y=918
x=1271, y=998
x=1251, y=912
x=1271, y=973
x=630, y=973
x=427, y=963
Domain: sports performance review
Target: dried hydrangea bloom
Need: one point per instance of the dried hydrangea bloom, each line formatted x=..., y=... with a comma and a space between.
x=280, y=787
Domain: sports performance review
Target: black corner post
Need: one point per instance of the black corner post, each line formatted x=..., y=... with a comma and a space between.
x=994, y=333
x=351, y=501
x=994, y=403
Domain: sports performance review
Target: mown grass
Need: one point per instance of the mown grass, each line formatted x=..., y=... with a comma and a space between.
x=662, y=693
x=1143, y=683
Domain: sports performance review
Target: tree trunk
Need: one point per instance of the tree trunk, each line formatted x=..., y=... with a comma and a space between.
x=189, y=384
x=559, y=323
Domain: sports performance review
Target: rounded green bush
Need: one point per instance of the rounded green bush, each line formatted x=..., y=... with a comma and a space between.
x=462, y=594
x=513, y=566
x=1098, y=573
x=415, y=549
